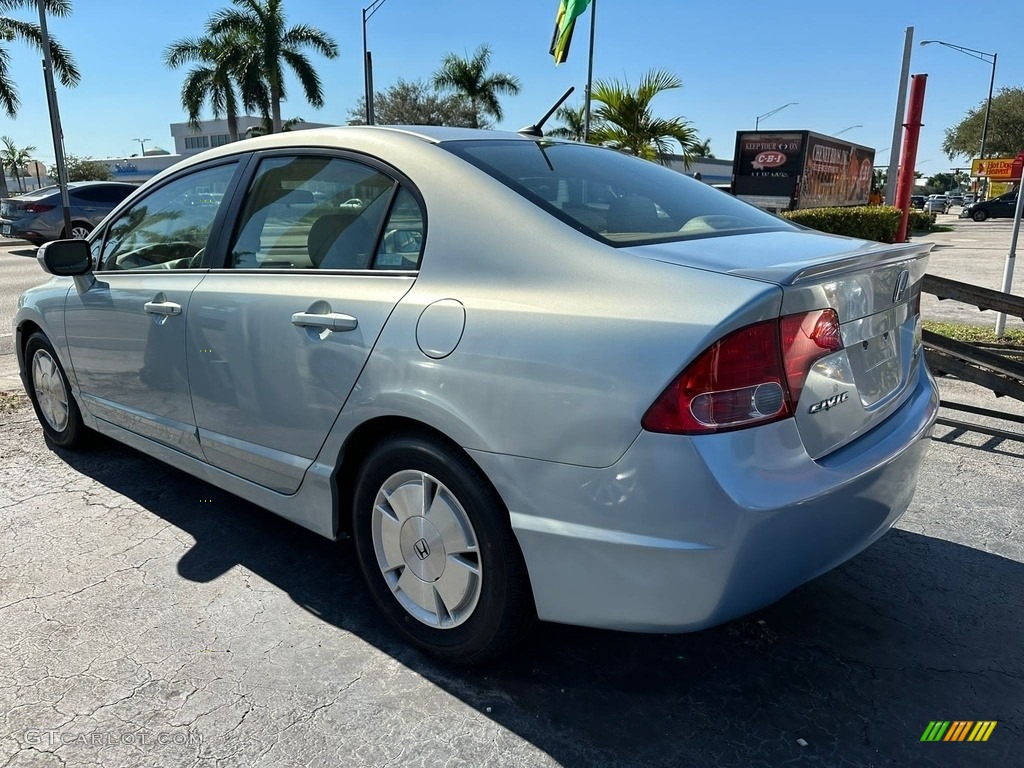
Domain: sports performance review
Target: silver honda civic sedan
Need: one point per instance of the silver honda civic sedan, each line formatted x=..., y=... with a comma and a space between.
x=533, y=379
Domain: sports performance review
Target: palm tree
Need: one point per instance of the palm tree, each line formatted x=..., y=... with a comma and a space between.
x=469, y=77
x=573, y=119
x=29, y=32
x=702, y=149
x=626, y=121
x=222, y=61
x=264, y=129
x=15, y=159
x=260, y=26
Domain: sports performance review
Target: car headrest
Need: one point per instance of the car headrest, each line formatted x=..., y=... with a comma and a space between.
x=633, y=214
x=340, y=240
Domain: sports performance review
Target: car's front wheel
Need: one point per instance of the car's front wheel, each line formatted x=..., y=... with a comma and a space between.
x=51, y=395
x=437, y=550
x=980, y=215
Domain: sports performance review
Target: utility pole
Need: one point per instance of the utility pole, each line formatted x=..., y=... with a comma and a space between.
x=897, y=128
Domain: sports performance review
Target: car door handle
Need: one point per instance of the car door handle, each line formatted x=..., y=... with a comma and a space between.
x=162, y=308
x=331, y=321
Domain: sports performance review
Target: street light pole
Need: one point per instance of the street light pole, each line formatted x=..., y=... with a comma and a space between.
x=981, y=56
x=850, y=128
x=988, y=110
x=759, y=118
x=142, y=143
x=368, y=12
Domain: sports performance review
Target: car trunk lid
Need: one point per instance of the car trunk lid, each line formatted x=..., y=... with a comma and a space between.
x=874, y=288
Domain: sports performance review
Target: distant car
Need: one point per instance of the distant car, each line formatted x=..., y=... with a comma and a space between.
x=956, y=200
x=531, y=378
x=917, y=201
x=1002, y=207
x=968, y=198
x=936, y=204
x=39, y=216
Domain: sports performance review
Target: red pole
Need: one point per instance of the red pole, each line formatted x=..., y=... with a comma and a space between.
x=908, y=156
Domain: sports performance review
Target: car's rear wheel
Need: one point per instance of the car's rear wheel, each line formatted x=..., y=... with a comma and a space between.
x=51, y=395
x=79, y=230
x=980, y=215
x=437, y=550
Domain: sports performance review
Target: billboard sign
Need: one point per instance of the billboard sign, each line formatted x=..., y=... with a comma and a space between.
x=999, y=169
x=836, y=173
x=767, y=165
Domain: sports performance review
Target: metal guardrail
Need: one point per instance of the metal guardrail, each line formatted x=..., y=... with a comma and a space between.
x=995, y=367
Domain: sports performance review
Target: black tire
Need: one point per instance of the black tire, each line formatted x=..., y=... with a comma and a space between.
x=50, y=392
x=980, y=215
x=501, y=612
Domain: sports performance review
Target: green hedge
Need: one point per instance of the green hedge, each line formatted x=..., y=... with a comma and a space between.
x=868, y=222
x=920, y=221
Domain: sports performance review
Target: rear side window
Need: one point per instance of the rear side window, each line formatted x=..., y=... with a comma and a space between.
x=311, y=212
x=614, y=197
x=402, y=243
x=109, y=196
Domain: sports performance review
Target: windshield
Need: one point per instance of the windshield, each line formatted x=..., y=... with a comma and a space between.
x=614, y=197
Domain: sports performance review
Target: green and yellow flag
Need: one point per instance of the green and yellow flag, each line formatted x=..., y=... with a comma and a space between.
x=568, y=10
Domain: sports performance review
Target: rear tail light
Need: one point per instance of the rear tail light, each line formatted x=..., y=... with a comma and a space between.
x=37, y=207
x=752, y=376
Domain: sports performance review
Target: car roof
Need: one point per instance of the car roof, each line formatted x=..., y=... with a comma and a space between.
x=353, y=136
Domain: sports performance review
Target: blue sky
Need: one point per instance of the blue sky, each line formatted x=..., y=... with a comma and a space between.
x=839, y=62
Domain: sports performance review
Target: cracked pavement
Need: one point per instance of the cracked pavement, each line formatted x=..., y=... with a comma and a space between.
x=141, y=626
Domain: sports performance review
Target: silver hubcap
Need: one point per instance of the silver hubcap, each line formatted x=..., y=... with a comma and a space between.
x=50, y=392
x=79, y=233
x=427, y=549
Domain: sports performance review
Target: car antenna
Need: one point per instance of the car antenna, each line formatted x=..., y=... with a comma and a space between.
x=535, y=129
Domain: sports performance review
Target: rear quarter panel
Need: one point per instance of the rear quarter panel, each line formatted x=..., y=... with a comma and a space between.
x=567, y=341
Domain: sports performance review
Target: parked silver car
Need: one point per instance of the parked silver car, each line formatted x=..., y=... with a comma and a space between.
x=531, y=378
x=38, y=216
x=937, y=204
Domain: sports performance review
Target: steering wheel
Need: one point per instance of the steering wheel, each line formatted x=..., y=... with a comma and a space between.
x=403, y=241
x=161, y=256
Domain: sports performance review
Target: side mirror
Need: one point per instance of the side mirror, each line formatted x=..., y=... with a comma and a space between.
x=65, y=258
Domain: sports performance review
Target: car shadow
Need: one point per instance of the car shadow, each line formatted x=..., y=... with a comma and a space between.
x=28, y=251
x=847, y=670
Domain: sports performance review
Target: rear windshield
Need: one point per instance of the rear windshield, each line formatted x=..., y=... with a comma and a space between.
x=614, y=197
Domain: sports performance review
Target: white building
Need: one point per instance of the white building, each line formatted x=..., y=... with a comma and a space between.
x=187, y=142
x=214, y=133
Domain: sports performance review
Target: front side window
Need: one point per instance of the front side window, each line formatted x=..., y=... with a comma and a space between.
x=168, y=228
x=311, y=212
x=614, y=197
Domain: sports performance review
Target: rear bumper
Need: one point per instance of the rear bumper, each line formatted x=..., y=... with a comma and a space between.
x=682, y=534
x=34, y=230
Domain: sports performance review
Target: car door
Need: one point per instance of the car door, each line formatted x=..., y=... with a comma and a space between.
x=325, y=247
x=1005, y=206
x=126, y=331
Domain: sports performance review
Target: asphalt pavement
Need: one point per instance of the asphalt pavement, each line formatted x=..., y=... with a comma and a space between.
x=149, y=619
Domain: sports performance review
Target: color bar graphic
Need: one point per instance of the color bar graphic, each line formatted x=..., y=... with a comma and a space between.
x=959, y=730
